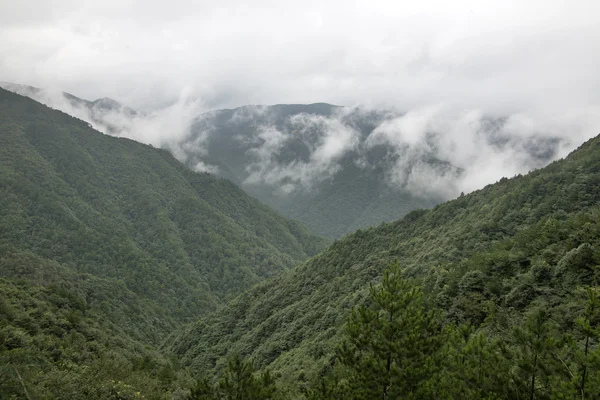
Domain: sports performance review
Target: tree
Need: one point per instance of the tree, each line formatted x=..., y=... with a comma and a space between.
x=588, y=325
x=535, y=344
x=240, y=383
x=202, y=391
x=389, y=344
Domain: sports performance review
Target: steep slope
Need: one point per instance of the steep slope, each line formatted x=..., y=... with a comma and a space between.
x=118, y=209
x=107, y=244
x=270, y=151
x=336, y=169
x=528, y=240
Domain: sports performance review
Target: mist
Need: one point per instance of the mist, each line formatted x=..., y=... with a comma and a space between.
x=486, y=89
x=434, y=152
x=476, y=148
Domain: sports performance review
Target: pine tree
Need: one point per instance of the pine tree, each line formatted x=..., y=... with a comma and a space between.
x=535, y=344
x=240, y=382
x=203, y=390
x=473, y=365
x=588, y=325
x=390, y=343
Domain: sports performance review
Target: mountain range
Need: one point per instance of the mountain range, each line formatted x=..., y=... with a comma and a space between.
x=515, y=245
x=335, y=169
x=118, y=241
x=125, y=274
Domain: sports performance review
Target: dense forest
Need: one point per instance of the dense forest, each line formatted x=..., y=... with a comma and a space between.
x=124, y=275
x=236, y=142
x=107, y=245
x=489, y=264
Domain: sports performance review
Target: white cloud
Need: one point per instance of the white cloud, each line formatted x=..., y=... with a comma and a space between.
x=443, y=65
x=327, y=140
x=204, y=167
x=482, y=149
x=163, y=127
x=508, y=56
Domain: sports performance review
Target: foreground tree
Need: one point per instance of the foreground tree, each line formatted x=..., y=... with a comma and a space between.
x=536, y=344
x=239, y=382
x=390, y=342
x=584, y=372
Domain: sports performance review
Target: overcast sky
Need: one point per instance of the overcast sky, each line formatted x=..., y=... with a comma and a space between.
x=502, y=56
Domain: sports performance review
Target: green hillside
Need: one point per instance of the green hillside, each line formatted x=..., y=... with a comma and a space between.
x=519, y=245
x=352, y=197
x=276, y=153
x=107, y=245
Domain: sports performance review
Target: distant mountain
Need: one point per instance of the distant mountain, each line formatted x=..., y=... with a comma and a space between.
x=105, y=114
x=336, y=169
x=295, y=159
x=109, y=244
x=501, y=252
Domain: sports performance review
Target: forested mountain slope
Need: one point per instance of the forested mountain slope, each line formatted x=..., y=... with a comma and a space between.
x=334, y=168
x=338, y=169
x=530, y=241
x=309, y=161
x=115, y=243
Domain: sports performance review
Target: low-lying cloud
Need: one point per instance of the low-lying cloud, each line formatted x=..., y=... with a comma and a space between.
x=433, y=152
x=481, y=90
x=163, y=127
x=327, y=139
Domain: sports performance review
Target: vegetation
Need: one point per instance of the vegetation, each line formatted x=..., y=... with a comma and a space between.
x=487, y=260
x=107, y=245
x=352, y=198
x=396, y=348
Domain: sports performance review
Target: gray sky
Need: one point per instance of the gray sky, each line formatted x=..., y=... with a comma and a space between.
x=444, y=65
x=502, y=56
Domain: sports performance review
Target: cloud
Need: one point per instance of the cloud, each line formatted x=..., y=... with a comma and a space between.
x=326, y=139
x=489, y=89
x=164, y=127
x=475, y=149
x=437, y=151
x=201, y=166
x=500, y=57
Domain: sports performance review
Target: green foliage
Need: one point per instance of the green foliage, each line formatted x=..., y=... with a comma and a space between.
x=494, y=255
x=107, y=245
x=535, y=343
x=588, y=355
x=239, y=382
x=53, y=344
x=394, y=349
x=389, y=344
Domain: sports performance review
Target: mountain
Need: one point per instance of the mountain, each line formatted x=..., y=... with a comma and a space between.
x=107, y=244
x=106, y=115
x=336, y=169
x=521, y=244
x=307, y=161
